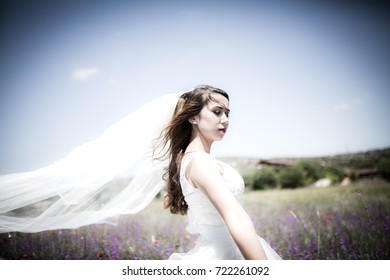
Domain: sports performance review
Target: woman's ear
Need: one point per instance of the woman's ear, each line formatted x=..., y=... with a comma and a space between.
x=193, y=120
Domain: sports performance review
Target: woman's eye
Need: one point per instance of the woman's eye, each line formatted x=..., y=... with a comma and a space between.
x=219, y=113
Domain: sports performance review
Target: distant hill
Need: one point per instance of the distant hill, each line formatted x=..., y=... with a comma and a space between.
x=358, y=160
x=367, y=159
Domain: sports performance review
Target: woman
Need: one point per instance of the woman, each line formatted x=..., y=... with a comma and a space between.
x=117, y=174
x=204, y=188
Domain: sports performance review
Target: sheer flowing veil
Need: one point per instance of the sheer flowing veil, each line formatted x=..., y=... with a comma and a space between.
x=112, y=175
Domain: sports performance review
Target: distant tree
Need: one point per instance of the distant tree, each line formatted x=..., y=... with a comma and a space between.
x=334, y=172
x=291, y=177
x=353, y=175
x=248, y=177
x=384, y=169
x=264, y=178
x=311, y=170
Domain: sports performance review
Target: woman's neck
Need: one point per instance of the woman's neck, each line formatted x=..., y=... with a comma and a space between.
x=198, y=144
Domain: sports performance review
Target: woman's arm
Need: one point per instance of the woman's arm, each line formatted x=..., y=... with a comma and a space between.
x=204, y=174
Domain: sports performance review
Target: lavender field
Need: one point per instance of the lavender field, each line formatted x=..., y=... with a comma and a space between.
x=351, y=222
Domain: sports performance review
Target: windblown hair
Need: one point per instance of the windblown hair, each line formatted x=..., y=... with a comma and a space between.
x=176, y=137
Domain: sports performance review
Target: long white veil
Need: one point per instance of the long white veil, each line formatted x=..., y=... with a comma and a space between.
x=112, y=175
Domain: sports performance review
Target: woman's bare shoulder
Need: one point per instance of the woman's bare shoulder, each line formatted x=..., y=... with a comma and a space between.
x=201, y=157
x=204, y=164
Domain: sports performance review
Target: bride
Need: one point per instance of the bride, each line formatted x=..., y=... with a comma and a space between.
x=78, y=190
x=204, y=188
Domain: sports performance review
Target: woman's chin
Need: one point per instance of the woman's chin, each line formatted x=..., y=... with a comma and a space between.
x=220, y=138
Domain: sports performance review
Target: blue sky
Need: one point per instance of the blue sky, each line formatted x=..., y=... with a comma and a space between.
x=304, y=79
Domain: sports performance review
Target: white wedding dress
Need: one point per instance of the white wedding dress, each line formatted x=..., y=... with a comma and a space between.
x=214, y=241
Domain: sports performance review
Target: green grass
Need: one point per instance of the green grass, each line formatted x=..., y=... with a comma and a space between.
x=351, y=222
x=337, y=222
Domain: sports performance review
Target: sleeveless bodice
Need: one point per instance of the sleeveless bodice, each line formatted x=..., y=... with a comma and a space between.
x=201, y=213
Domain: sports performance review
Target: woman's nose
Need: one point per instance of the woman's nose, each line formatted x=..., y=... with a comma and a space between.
x=224, y=118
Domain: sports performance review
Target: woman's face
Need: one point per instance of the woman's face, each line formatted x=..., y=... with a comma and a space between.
x=213, y=121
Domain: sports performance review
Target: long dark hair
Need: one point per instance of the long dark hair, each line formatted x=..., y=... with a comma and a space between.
x=175, y=138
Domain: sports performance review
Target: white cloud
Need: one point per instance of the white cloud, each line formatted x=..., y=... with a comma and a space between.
x=348, y=105
x=341, y=107
x=83, y=74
